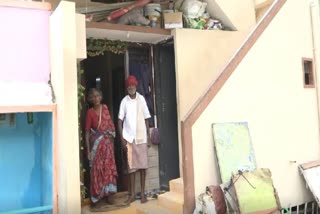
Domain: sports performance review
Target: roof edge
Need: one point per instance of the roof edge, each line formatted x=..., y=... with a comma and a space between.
x=26, y=4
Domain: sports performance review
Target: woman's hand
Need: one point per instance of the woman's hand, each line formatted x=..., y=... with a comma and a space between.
x=89, y=155
x=109, y=136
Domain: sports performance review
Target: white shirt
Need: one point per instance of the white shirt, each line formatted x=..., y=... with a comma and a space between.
x=128, y=114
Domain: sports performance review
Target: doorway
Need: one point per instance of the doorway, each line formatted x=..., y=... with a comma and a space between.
x=106, y=72
x=154, y=68
x=166, y=103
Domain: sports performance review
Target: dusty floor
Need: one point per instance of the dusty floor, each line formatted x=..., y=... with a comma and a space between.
x=134, y=208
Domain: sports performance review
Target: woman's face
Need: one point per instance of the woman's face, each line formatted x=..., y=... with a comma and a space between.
x=96, y=98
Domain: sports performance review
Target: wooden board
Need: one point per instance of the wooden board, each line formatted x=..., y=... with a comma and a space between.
x=310, y=164
x=255, y=192
x=311, y=173
x=30, y=108
x=233, y=148
x=128, y=33
x=26, y=4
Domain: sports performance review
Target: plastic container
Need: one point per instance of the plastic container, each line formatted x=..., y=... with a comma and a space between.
x=152, y=10
x=154, y=22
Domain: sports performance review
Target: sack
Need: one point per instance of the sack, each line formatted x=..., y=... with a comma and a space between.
x=205, y=205
x=194, y=8
x=211, y=202
x=218, y=197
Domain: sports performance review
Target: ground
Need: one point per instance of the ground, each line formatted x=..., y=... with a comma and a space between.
x=135, y=208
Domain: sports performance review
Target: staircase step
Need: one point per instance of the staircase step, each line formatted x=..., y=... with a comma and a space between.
x=176, y=185
x=152, y=208
x=172, y=201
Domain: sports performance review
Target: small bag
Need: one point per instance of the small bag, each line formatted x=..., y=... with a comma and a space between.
x=155, y=139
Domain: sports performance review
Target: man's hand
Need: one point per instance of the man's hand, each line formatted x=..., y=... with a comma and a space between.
x=149, y=141
x=124, y=144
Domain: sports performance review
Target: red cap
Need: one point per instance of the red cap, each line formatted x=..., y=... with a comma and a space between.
x=131, y=81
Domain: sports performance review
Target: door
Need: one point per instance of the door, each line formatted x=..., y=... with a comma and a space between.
x=166, y=108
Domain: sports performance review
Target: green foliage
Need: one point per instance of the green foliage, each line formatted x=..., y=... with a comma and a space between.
x=81, y=91
x=97, y=47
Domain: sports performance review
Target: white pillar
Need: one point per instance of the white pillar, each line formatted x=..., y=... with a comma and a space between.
x=63, y=39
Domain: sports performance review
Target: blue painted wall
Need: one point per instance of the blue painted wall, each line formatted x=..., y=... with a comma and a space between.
x=26, y=163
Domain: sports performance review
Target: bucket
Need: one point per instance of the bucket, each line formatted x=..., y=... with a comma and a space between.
x=152, y=10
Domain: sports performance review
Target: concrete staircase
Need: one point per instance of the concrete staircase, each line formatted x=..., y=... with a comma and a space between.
x=173, y=200
x=167, y=203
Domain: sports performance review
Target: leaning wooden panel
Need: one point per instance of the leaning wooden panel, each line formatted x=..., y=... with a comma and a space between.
x=255, y=192
x=233, y=148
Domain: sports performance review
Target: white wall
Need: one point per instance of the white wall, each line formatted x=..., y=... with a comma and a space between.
x=64, y=79
x=81, y=36
x=24, y=38
x=267, y=91
x=199, y=59
x=257, y=2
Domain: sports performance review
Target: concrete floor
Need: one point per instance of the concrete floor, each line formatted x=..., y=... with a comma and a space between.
x=135, y=208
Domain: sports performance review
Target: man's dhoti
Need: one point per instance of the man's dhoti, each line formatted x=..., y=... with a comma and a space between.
x=137, y=156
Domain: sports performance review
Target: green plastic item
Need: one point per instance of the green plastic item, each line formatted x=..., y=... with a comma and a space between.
x=233, y=148
x=200, y=24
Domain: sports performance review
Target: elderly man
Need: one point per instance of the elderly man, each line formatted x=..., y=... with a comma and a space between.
x=133, y=125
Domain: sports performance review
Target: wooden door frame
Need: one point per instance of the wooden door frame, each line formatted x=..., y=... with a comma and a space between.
x=55, y=159
x=158, y=78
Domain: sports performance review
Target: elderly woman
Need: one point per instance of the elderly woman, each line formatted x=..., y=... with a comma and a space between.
x=100, y=133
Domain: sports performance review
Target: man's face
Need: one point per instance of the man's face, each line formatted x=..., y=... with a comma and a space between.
x=132, y=89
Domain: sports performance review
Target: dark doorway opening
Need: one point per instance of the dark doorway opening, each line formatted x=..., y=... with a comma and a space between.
x=166, y=103
x=154, y=67
x=106, y=72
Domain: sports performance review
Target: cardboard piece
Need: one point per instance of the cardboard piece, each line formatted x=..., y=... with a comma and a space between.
x=233, y=148
x=311, y=173
x=255, y=192
x=172, y=20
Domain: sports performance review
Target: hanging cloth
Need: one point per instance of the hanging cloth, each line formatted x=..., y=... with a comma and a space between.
x=141, y=126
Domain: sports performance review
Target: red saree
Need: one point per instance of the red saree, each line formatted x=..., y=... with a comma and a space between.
x=103, y=172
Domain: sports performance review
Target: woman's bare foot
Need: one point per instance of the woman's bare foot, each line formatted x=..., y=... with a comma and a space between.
x=108, y=201
x=93, y=205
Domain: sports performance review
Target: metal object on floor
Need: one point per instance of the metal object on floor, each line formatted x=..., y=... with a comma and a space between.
x=307, y=208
